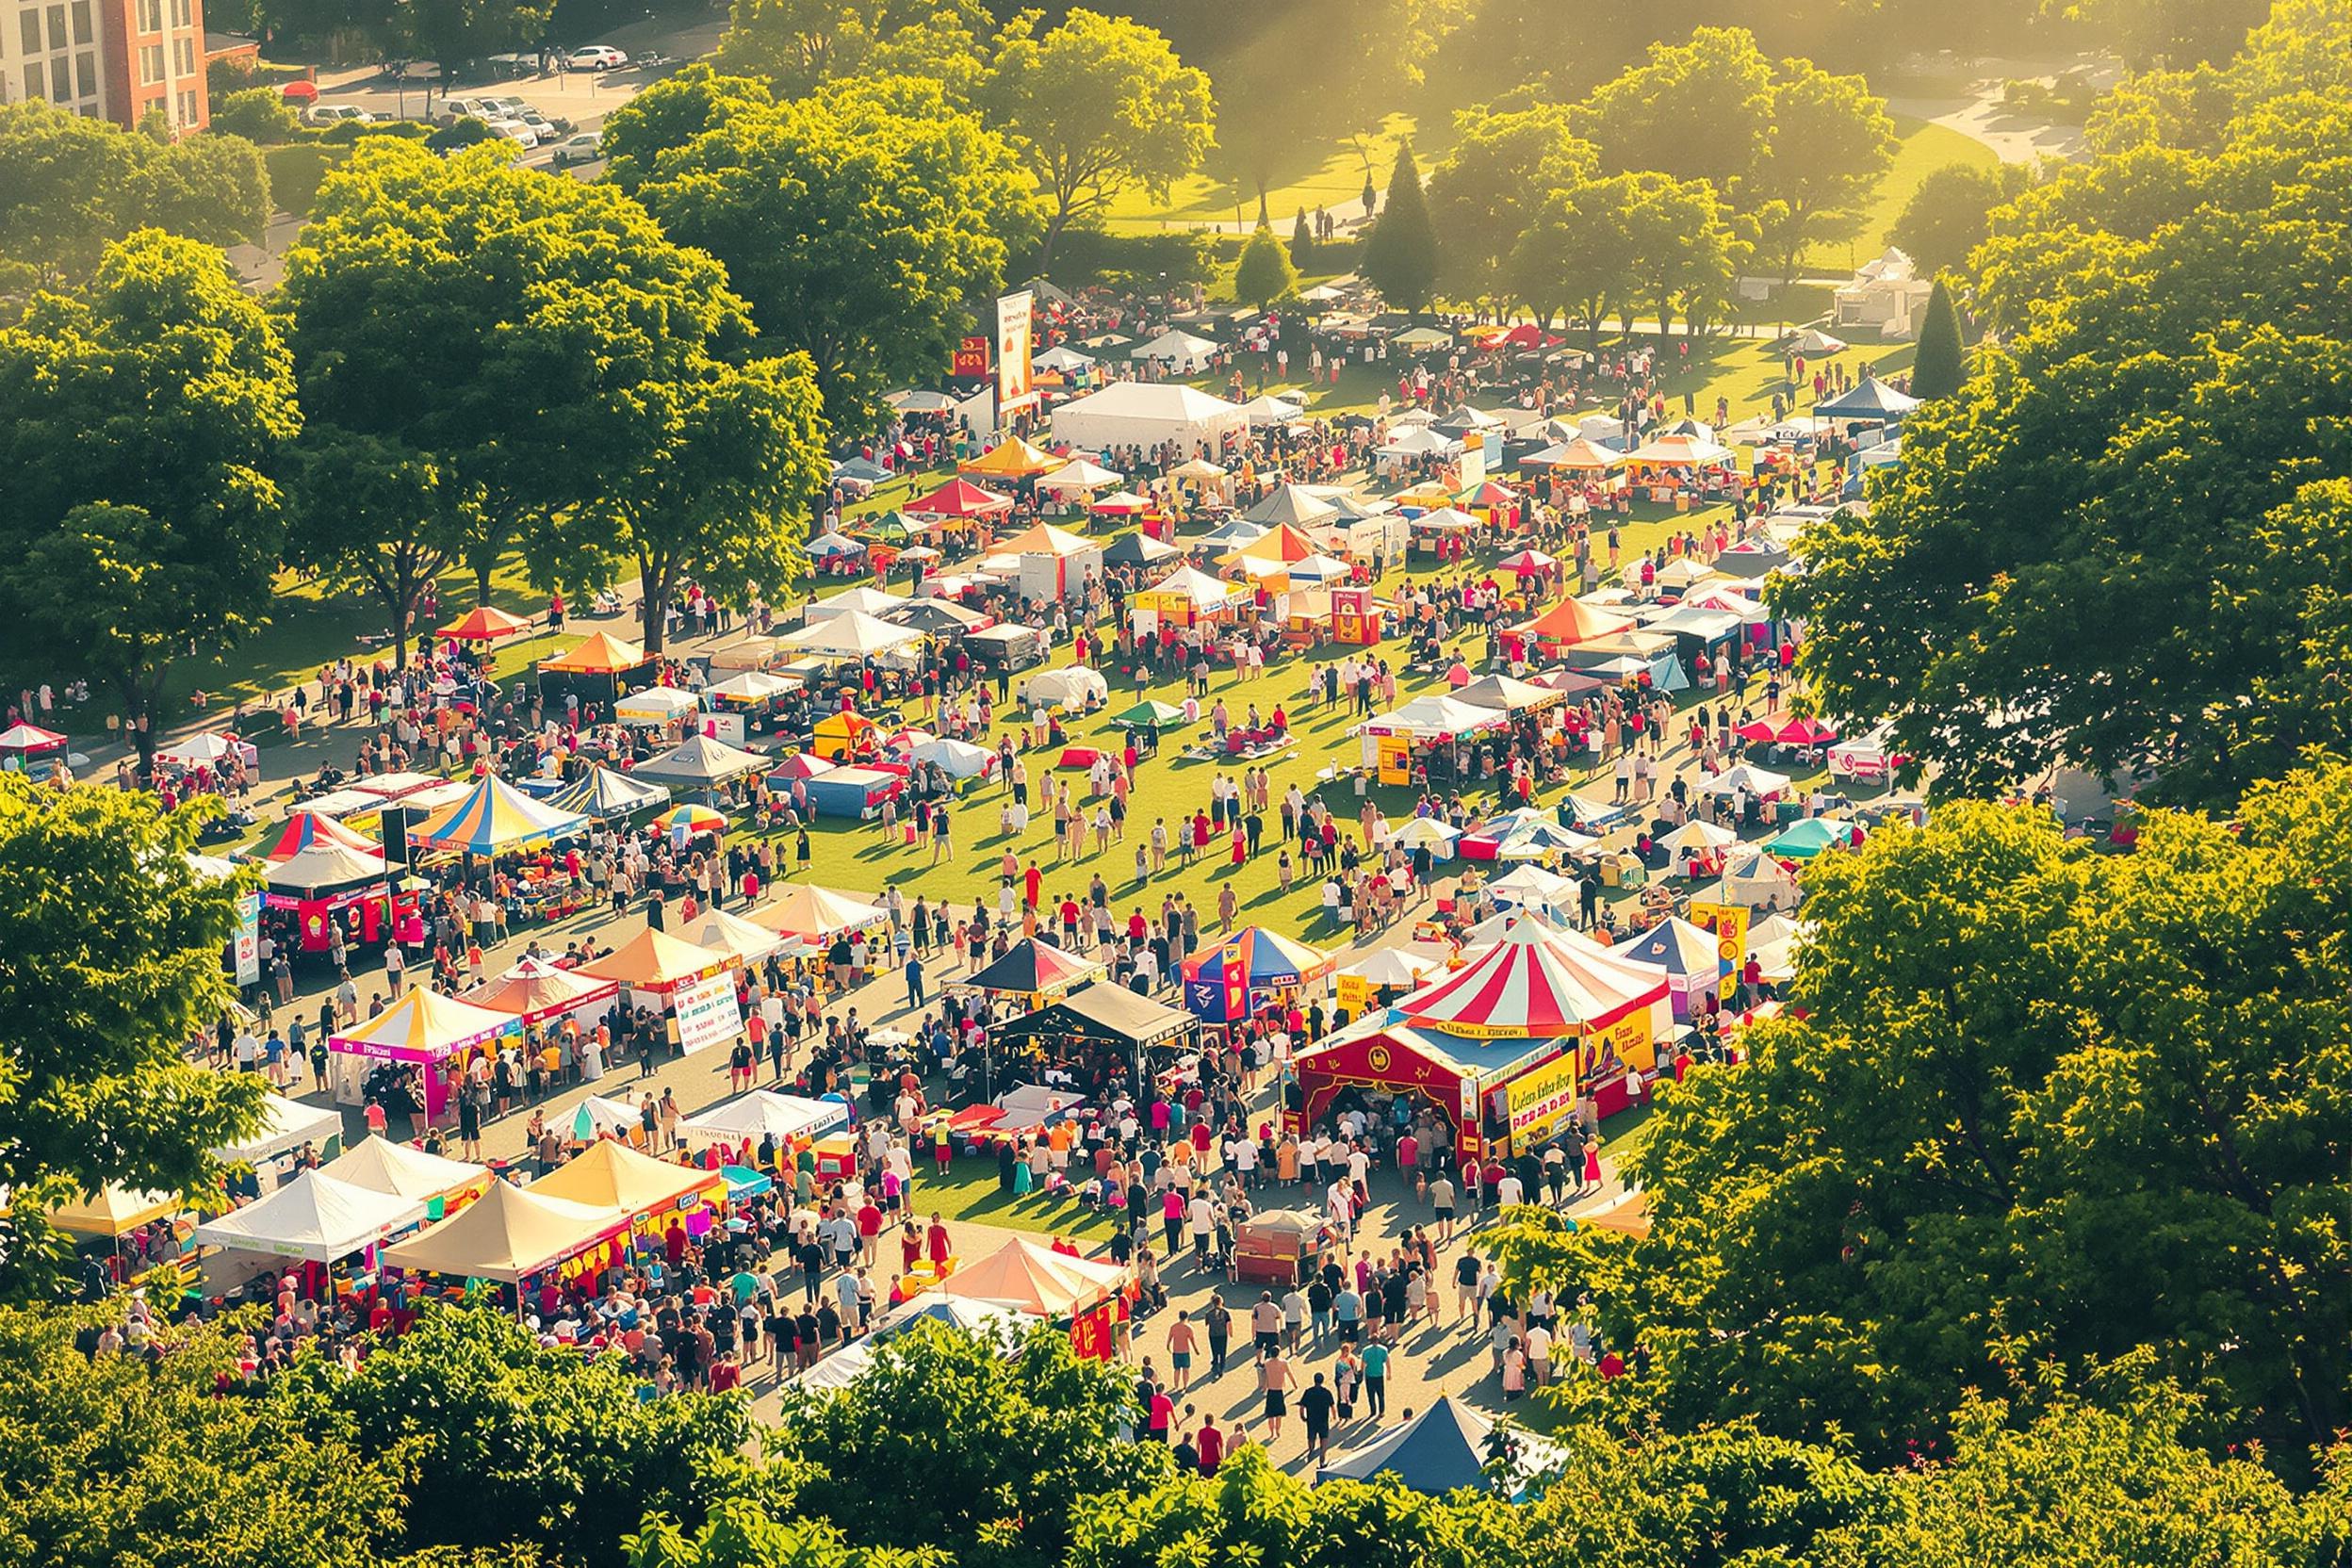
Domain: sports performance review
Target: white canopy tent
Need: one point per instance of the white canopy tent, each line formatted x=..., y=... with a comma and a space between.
x=762, y=1113
x=1179, y=351
x=1150, y=415
x=852, y=634
x=313, y=1216
x=286, y=1124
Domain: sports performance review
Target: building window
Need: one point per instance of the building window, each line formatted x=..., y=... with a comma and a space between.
x=183, y=13
x=86, y=75
x=33, y=82
x=82, y=33
x=150, y=16
x=150, y=64
x=30, y=26
x=187, y=110
x=184, y=51
x=57, y=27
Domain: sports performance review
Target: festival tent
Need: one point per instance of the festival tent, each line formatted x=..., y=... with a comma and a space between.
x=1743, y=776
x=1752, y=563
x=982, y=1319
x=535, y=991
x=285, y=1125
x=114, y=1212
x=305, y=828
x=1619, y=654
x=1421, y=338
x=1804, y=840
x=1871, y=401
x=1266, y=410
x=957, y=758
x=27, y=739
x=313, y=1216
x=1814, y=344
x=912, y=401
x=599, y=1115
x=1013, y=459
x=1436, y=716
x=1534, y=836
x=1531, y=884
x=840, y=1370
x=1696, y=842
x=872, y=601
x=1568, y=623
x=817, y=914
x=858, y=470
x=1582, y=455
x=609, y=1174
x=507, y=1236
x=1539, y=984
x=762, y=1113
x=1078, y=475
x=1072, y=687
x=1186, y=594
x=1031, y=968
x=398, y=1170
x=1066, y=360
x=494, y=816
x=1421, y=441
x=936, y=617
x=206, y=751
x=1100, y=1012
x=1032, y=1279
x=1689, y=957
x=830, y=544
x=1428, y=833
x=1293, y=505
x=1512, y=696
x=721, y=932
x=702, y=761
x=1464, y=419
x=655, y=961
x=485, y=624
x=423, y=1028
x=601, y=654
x=1440, y=1450
x=1773, y=942
x=1279, y=544
x=1149, y=714
x=1225, y=984
x=958, y=497
x=852, y=634
x=1754, y=878
x=318, y=874
x=1178, y=351
x=1384, y=973
x=1679, y=452
x=1150, y=416
x=1047, y=562
x=605, y=793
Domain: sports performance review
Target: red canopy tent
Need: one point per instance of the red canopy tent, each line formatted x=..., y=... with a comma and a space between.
x=958, y=497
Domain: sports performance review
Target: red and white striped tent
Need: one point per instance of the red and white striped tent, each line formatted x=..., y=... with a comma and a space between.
x=1538, y=982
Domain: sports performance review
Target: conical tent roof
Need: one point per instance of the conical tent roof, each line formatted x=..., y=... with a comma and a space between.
x=28, y=737
x=611, y=1175
x=286, y=1124
x=601, y=654
x=1535, y=983
x=323, y=866
x=703, y=760
x=425, y=1026
x=1677, y=946
x=873, y=601
x=113, y=1211
x=762, y=1113
x=1260, y=957
x=1280, y=543
x=654, y=958
x=507, y=1234
x=721, y=932
x=485, y=623
x=1030, y=965
x=1292, y=504
x=494, y=816
x=1079, y=475
x=608, y=792
x=1032, y=1279
x=305, y=828
x=1577, y=453
x=852, y=633
x=1012, y=458
x=1043, y=539
x=1137, y=550
x=958, y=497
x=383, y=1165
x=1198, y=586
x=804, y=909
x=313, y=1216
x=1870, y=398
x=1572, y=621
x=535, y=990
x=1441, y=1450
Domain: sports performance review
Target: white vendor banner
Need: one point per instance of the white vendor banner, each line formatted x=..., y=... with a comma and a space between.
x=706, y=1013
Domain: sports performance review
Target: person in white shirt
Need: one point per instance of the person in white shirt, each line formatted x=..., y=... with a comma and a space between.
x=1538, y=1344
x=1509, y=1190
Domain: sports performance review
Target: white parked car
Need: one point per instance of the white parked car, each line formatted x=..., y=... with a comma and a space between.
x=600, y=56
x=515, y=131
x=587, y=147
x=335, y=114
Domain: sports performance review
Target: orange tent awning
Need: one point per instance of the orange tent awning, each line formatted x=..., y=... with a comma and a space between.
x=1572, y=621
x=1012, y=459
x=486, y=624
x=601, y=654
x=654, y=960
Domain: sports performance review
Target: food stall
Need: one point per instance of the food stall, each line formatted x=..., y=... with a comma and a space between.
x=1281, y=1247
x=329, y=882
x=1249, y=970
x=423, y=1029
x=1426, y=732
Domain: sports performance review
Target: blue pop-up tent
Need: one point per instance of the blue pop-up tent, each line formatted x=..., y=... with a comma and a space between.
x=1442, y=1448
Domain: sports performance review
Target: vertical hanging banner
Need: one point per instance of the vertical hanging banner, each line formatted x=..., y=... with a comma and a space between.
x=245, y=947
x=970, y=360
x=1013, y=331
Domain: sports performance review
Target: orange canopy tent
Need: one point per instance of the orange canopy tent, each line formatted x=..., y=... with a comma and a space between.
x=1012, y=459
x=1280, y=543
x=1569, y=622
x=486, y=624
x=657, y=961
x=1043, y=539
x=601, y=654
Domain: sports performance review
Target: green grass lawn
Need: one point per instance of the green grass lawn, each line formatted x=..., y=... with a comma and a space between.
x=1323, y=172
x=1923, y=149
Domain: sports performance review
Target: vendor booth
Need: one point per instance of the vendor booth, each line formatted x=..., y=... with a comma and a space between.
x=793, y=1121
x=655, y=1193
x=1606, y=658
x=1248, y=970
x=1187, y=597
x=328, y=882
x=601, y=669
x=1565, y=624
x=1382, y=976
x=1428, y=731
x=609, y=795
x=1150, y=416
x=695, y=985
x=306, y=828
x=285, y=1126
x=1283, y=1246
x=313, y=1216
x=1093, y=1298
x=1689, y=958
x=959, y=504
x=816, y=914
x=702, y=762
x=423, y=1030
x=852, y=794
x=399, y=1170
x=1135, y=1027
x=1446, y=1448
x=1045, y=562
x=1010, y=461
x=853, y=635
x=511, y=1235
x=655, y=706
x=535, y=990
x=1177, y=352
x=493, y=817
x=1032, y=971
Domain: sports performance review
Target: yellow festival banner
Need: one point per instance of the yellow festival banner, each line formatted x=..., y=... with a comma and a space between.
x=1539, y=1098
x=1729, y=921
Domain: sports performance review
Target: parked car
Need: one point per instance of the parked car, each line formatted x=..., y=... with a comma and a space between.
x=512, y=108
x=599, y=56
x=587, y=147
x=515, y=131
x=336, y=114
x=454, y=109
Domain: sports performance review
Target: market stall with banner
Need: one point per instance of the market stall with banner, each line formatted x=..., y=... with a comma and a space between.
x=695, y=985
x=1031, y=973
x=424, y=1030
x=1252, y=969
x=750, y=1121
x=511, y=1236
x=1092, y=1298
x=654, y=1193
x=326, y=882
x=1687, y=955
x=601, y=669
x=1187, y=597
x=1045, y=562
x=1428, y=734
x=535, y=990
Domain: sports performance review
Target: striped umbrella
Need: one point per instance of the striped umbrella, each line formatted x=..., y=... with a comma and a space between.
x=696, y=819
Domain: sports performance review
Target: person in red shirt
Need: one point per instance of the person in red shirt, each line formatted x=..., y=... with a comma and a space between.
x=1032, y=880
x=1211, y=1442
x=870, y=1228
x=725, y=1373
x=938, y=1244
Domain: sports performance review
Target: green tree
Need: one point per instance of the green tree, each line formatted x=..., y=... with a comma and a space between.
x=1830, y=143
x=1265, y=273
x=1302, y=242
x=1502, y=156
x=866, y=227
x=798, y=45
x=188, y=1476
x=1700, y=110
x=98, y=903
x=1949, y=213
x=1402, y=257
x=140, y=424
x=516, y=1443
x=2181, y=32
x=76, y=184
x=469, y=338
x=259, y=114
x=1684, y=252
x=1099, y=105
x=2040, y=1107
x=945, y=1443
x=743, y=1534
x=1578, y=255
x=1943, y=363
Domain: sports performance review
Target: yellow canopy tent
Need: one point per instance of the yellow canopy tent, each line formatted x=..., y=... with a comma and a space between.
x=657, y=961
x=114, y=1212
x=1012, y=459
x=601, y=654
x=507, y=1234
x=611, y=1175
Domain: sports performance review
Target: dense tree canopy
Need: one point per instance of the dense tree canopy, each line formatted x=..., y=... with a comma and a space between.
x=865, y=226
x=2042, y=1108
x=2118, y=544
x=1402, y=257
x=1478, y=196
x=141, y=425
x=114, y=944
